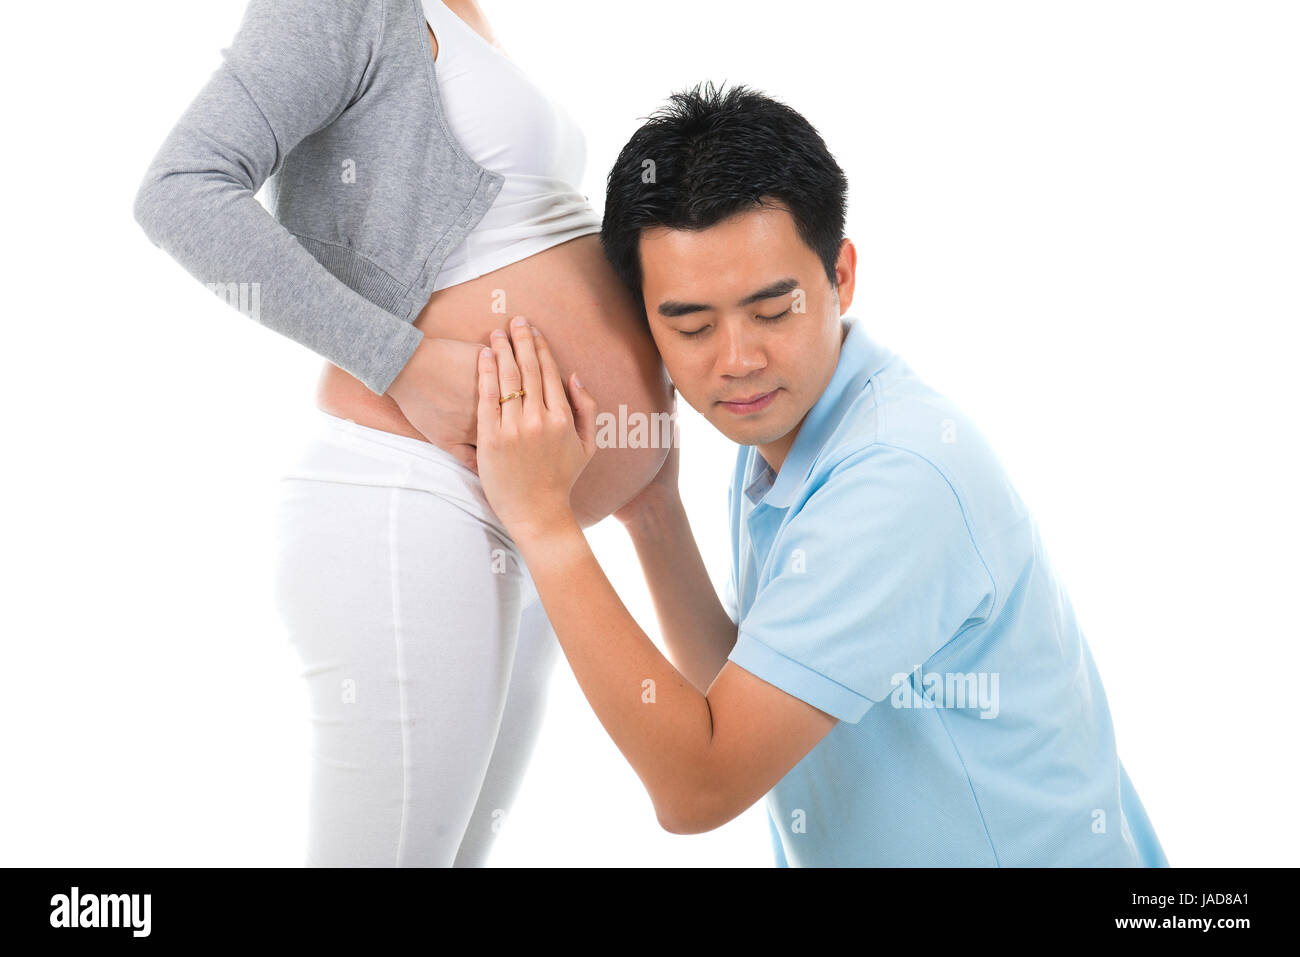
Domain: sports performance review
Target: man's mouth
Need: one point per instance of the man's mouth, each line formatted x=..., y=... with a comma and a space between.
x=747, y=404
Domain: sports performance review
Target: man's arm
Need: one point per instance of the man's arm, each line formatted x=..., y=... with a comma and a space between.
x=696, y=628
x=702, y=758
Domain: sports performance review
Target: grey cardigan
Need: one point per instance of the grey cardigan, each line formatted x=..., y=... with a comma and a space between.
x=334, y=104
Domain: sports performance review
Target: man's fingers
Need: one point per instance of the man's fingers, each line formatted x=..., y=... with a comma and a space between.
x=530, y=373
x=552, y=381
x=509, y=378
x=584, y=414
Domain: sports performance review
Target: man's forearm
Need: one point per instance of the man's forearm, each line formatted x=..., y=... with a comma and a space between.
x=696, y=628
x=652, y=711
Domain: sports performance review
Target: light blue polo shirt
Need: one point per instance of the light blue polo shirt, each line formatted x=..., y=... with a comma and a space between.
x=891, y=576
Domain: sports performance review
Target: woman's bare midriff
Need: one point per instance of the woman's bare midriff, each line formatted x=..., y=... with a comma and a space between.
x=593, y=326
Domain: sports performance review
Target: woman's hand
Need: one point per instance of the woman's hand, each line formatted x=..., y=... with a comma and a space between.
x=532, y=448
x=436, y=392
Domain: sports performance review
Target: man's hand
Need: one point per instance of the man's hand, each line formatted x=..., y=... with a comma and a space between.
x=437, y=391
x=662, y=489
x=533, y=446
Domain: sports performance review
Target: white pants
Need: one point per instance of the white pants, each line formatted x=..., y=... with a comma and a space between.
x=425, y=649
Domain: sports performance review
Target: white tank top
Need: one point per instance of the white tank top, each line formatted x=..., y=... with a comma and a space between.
x=507, y=124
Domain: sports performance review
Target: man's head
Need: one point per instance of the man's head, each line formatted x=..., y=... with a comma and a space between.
x=724, y=214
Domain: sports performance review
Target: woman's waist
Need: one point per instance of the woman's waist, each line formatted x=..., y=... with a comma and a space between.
x=569, y=291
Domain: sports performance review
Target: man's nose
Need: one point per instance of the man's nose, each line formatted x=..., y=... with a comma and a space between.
x=740, y=351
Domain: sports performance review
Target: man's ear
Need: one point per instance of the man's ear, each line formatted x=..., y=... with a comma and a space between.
x=846, y=268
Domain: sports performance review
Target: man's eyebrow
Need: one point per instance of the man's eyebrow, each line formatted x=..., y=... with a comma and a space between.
x=671, y=308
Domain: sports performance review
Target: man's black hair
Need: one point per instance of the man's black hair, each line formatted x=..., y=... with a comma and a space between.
x=708, y=154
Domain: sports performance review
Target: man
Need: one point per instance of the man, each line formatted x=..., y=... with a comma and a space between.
x=899, y=671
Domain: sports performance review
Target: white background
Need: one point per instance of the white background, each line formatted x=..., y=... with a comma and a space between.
x=1078, y=220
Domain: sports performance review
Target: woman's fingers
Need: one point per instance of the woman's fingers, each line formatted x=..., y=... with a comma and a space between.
x=508, y=374
x=526, y=358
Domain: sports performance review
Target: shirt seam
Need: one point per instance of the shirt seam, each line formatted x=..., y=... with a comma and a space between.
x=970, y=784
x=978, y=554
x=357, y=254
x=376, y=46
x=947, y=733
x=961, y=508
x=275, y=137
x=742, y=633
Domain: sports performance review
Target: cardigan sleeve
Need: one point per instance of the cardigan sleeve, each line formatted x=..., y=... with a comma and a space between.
x=293, y=67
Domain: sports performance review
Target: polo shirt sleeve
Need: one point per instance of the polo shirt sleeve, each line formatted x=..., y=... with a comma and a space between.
x=875, y=573
x=729, y=600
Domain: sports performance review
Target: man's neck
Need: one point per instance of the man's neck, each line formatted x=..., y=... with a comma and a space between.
x=774, y=453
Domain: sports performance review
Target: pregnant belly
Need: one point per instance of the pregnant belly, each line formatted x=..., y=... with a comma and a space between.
x=593, y=326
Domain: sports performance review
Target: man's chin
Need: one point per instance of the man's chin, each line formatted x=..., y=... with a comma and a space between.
x=748, y=433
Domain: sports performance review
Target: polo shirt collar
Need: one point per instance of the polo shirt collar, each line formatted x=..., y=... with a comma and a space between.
x=860, y=358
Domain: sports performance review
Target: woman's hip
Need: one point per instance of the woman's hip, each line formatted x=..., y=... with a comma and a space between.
x=371, y=526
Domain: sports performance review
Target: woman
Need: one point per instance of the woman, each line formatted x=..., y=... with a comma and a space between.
x=425, y=648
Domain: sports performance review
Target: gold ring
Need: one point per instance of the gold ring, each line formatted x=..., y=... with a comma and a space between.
x=506, y=398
